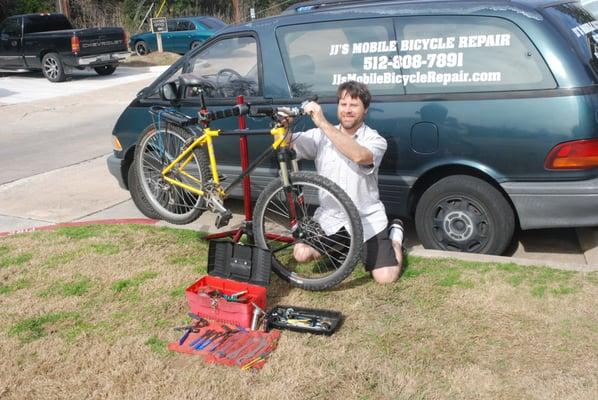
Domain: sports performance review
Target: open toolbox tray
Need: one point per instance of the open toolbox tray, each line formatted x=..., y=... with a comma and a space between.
x=321, y=322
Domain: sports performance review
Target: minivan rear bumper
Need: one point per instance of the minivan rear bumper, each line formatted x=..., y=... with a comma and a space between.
x=554, y=204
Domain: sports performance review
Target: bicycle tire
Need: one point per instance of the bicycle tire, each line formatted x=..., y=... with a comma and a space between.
x=270, y=219
x=155, y=150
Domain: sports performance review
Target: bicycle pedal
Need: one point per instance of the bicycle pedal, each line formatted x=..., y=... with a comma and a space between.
x=222, y=219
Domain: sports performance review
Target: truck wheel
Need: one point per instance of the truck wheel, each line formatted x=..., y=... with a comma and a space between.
x=141, y=48
x=52, y=68
x=463, y=213
x=105, y=69
x=138, y=197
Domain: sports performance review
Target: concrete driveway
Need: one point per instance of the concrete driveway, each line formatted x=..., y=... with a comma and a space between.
x=26, y=87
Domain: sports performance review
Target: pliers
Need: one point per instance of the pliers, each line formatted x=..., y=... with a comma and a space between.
x=199, y=323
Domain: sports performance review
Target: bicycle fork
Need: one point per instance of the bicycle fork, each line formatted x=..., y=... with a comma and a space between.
x=294, y=195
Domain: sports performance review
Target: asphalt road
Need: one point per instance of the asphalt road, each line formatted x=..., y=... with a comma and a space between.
x=47, y=125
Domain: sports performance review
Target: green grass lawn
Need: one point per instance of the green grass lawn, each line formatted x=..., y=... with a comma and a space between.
x=86, y=312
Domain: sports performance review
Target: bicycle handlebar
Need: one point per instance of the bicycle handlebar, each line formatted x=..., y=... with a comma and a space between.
x=245, y=109
x=236, y=111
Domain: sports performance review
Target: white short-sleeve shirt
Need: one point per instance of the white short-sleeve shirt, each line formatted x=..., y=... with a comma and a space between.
x=358, y=181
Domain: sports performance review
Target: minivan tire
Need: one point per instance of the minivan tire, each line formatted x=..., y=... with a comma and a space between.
x=52, y=68
x=138, y=197
x=464, y=213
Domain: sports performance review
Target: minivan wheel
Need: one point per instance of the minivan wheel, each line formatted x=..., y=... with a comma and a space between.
x=138, y=197
x=463, y=213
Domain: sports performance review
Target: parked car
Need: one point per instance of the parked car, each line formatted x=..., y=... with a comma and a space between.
x=48, y=42
x=183, y=35
x=488, y=107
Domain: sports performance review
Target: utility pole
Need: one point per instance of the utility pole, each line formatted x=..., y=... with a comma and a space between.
x=63, y=7
x=236, y=11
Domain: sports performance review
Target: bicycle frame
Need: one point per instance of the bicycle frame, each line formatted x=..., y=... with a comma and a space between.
x=206, y=139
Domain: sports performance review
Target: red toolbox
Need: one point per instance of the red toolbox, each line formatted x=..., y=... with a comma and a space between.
x=217, y=308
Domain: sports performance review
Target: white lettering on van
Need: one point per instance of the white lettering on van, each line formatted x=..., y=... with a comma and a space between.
x=497, y=40
x=384, y=46
x=584, y=29
x=428, y=44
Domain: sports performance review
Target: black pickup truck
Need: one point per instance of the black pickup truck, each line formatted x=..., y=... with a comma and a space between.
x=48, y=42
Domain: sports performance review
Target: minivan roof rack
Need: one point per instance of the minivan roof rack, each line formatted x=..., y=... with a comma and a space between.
x=320, y=5
x=311, y=5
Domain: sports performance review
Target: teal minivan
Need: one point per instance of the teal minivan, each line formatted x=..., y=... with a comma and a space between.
x=490, y=108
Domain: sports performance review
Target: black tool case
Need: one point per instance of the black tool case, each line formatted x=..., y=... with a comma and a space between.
x=276, y=318
x=239, y=262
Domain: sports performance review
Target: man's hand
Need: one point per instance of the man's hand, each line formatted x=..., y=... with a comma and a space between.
x=314, y=110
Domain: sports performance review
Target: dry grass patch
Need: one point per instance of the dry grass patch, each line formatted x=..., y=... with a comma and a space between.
x=150, y=59
x=89, y=311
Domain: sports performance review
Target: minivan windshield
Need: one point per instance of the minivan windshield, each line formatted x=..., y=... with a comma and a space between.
x=581, y=26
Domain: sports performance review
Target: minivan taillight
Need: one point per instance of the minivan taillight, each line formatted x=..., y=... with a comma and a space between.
x=75, y=44
x=578, y=154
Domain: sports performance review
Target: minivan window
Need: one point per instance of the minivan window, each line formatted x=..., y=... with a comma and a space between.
x=579, y=25
x=463, y=54
x=319, y=56
x=229, y=67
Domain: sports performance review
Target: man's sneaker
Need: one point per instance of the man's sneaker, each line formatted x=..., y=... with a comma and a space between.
x=396, y=231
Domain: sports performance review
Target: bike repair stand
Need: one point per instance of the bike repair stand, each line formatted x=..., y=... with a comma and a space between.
x=246, y=226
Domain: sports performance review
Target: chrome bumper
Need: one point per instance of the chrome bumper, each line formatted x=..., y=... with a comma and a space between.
x=103, y=58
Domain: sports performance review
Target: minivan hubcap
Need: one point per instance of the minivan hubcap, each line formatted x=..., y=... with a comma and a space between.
x=461, y=224
x=458, y=226
x=51, y=68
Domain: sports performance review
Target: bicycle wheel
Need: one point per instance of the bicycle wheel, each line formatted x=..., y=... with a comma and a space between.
x=326, y=219
x=157, y=149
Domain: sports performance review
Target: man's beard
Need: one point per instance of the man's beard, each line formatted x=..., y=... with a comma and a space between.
x=351, y=125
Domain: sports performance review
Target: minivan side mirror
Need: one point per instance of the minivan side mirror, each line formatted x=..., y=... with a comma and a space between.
x=169, y=91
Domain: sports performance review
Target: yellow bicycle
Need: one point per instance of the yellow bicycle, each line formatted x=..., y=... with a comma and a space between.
x=176, y=167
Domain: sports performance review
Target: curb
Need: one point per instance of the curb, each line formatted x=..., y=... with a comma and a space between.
x=121, y=221
x=502, y=260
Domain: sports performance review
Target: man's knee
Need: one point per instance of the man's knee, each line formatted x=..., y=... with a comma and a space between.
x=386, y=274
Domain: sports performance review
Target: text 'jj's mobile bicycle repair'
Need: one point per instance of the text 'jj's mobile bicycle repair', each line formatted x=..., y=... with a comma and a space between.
x=178, y=175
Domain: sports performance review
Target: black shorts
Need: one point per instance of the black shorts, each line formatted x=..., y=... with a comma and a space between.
x=377, y=251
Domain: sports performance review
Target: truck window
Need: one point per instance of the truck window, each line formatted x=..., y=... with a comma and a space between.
x=46, y=23
x=318, y=57
x=11, y=28
x=463, y=54
x=229, y=67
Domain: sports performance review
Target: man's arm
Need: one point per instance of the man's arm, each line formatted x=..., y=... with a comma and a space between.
x=345, y=143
